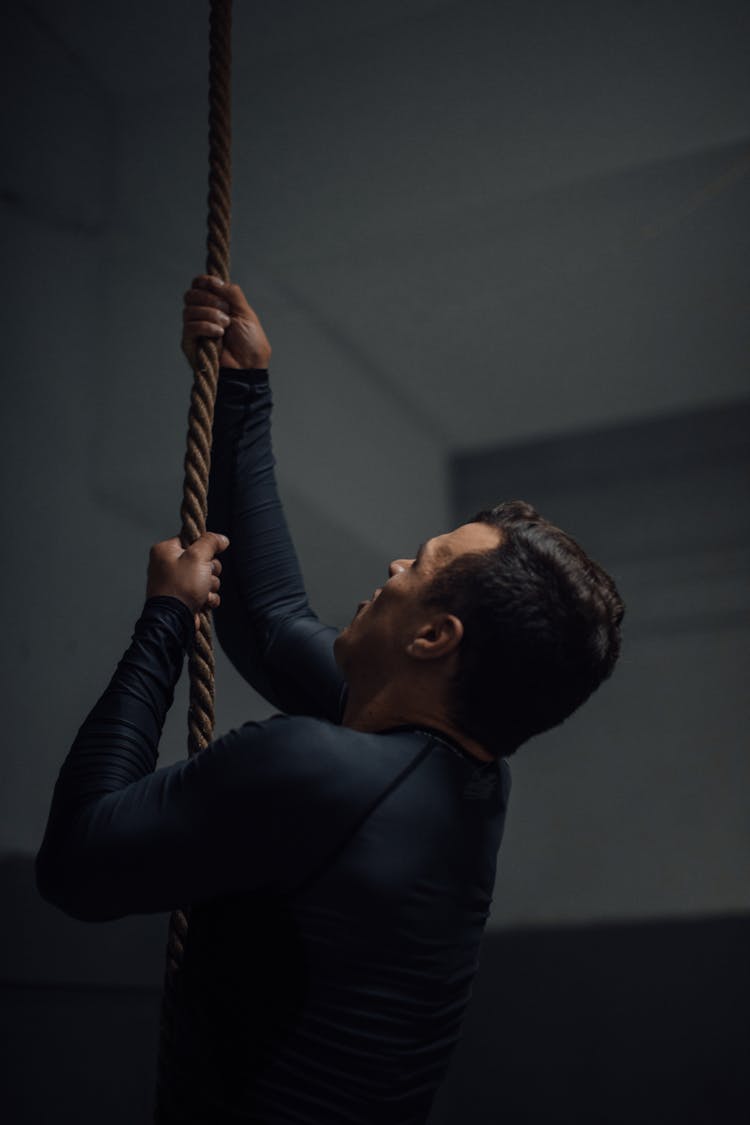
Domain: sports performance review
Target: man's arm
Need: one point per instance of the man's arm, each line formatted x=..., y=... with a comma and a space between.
x=265, y=623
x=255, y=810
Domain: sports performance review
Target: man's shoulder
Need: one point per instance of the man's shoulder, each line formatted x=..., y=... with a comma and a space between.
x=293, y=744
x=314, y=752
x=296, y=730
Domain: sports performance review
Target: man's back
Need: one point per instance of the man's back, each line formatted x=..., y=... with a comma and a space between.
x=359, y=965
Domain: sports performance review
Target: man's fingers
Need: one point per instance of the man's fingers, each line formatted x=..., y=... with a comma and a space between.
x=209, y=544
x=226, y=291
x=202, y=312
x=211, y=602
x=169, y=548
x=194, y=329
x=207, y=281
x=205, y=299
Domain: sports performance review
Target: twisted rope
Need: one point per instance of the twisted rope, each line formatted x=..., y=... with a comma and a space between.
x=194, y=509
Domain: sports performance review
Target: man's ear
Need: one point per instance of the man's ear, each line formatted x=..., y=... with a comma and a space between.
x=438, y=638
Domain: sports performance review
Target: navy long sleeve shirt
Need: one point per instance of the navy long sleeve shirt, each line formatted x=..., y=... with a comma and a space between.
x=338, y=881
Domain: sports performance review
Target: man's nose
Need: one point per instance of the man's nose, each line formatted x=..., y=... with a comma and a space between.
x=398, y=565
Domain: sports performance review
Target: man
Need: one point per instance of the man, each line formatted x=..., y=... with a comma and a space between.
x=356, y=834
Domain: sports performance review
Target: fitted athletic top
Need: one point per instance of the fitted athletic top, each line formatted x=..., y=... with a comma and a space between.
x=338, y=882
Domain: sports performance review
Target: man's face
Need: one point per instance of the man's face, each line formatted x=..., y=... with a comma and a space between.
x=383, y=625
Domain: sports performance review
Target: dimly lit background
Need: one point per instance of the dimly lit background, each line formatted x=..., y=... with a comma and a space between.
x=501, y=250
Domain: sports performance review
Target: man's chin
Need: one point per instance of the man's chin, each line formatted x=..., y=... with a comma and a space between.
x=339, y=645
x=340, y=642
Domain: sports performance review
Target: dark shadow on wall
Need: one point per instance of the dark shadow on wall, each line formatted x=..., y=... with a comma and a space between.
x=610, y=1025
x=607, y=1025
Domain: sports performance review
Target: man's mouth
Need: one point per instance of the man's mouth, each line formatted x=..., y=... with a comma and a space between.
x=369, y=601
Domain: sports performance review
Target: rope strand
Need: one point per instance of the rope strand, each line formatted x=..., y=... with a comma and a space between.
x=193, y=510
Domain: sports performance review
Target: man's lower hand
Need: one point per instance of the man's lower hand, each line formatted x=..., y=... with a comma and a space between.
x=191, y=575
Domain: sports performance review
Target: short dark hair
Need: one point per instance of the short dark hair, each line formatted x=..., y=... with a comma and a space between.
x=541, y=628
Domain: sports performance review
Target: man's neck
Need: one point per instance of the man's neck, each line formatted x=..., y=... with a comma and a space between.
x=381, y=713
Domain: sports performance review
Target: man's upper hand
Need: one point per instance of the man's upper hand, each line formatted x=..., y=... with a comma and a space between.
x=191, y=575
x=219, y=310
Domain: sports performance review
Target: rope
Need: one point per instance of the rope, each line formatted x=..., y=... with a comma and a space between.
x=194, y=506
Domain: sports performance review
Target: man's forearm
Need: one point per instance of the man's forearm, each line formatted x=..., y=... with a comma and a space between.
x=243, y=491
x=117, y=742
x=264, y=623
x=261, y=579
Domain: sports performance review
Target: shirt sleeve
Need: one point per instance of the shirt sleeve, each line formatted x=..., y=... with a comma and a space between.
x=250, y=812
x=264, y=623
